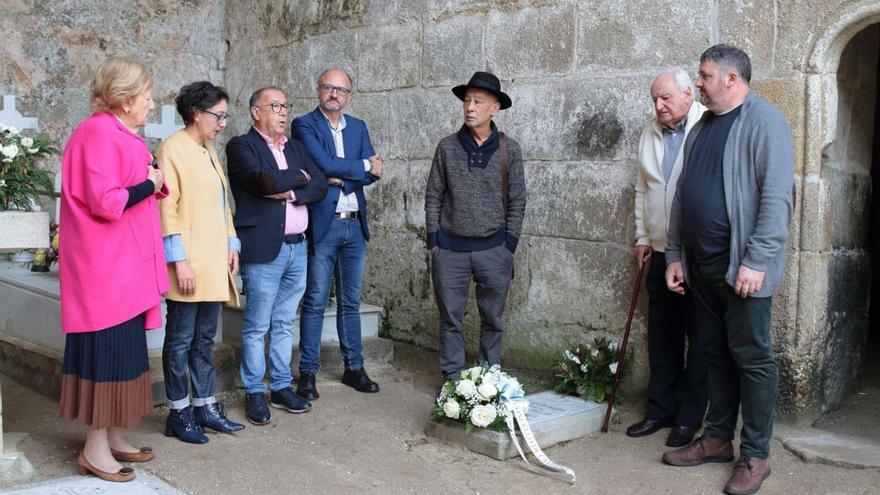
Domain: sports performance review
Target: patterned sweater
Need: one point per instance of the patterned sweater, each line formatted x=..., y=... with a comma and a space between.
x=463, y=204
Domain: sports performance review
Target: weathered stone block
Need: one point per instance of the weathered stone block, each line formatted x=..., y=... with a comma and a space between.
x=816, y=214
x=403, y=286
x=798, y=26
x=452, y=51
x=388, y=57
x=415, y=193
x=812, y=302
x=594, y=296
x=299, y=65
x=593, y=119
x=531, y=42
x=386, y=198
x=553, y=418
x=631, y=35
x=750, y=26
x=596, y=203
x=787, y=94
x=372, y=108
x=420, y=119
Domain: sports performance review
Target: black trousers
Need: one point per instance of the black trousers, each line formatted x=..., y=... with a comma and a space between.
x=742, y=370
x=677, y=389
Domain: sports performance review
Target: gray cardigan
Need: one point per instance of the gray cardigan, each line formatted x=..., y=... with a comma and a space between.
x=758, y=174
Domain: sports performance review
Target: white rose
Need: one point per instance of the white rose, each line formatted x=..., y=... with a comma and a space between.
x=10, y=151
x=487, y=391
x=483, y=415
x=475, y=372
x=27, y=142
x=571, y=357
x=584, y=368
x=595, y=353
x=613, y=367
x=466, y=388
x=2, y=183
x=451, y=409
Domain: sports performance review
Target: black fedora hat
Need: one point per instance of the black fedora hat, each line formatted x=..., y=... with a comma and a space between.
x=487, y=82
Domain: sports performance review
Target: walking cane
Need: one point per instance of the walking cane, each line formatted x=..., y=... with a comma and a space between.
x=621, y=353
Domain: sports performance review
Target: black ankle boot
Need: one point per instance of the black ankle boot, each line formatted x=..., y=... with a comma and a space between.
x=213, y=416
x=181, y=424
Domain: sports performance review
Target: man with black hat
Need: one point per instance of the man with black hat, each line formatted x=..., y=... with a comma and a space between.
x=475, y=202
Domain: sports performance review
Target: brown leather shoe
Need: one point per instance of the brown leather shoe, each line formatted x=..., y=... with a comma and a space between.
x=83, y=466
x=748, y=474
x=700, y=451
x=144, y=455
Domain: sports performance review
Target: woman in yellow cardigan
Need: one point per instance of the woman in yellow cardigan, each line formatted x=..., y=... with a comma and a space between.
x=201, y=249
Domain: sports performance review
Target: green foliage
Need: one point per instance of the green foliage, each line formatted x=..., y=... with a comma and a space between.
x=588, y=370
x=22, y=179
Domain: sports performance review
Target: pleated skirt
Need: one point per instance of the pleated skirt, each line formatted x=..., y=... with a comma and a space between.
x=106, y=379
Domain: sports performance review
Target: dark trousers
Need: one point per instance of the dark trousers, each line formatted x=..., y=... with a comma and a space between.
x=677, y=389
x=735, y=336
x=451, y=272
x=189, y=345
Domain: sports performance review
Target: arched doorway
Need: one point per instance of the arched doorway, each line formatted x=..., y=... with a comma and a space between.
x=850, y=172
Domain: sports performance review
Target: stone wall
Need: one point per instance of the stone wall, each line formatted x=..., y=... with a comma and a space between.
x=51, y=49
x=578, y=72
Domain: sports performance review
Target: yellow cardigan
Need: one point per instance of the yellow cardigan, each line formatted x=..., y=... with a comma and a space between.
x=193, y=210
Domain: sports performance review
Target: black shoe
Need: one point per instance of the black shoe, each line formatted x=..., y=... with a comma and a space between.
x=358, y=380
x=681, y=436
x=213, y=416
x=255, y=408
x=180, y=424
x=305, y=387
x=647, y=426
x=287, y=399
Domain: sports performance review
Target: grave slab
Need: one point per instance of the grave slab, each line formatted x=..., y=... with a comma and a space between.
x=554, y=418
x=144, y=484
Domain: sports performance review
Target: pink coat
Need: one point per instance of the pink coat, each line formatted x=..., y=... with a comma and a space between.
x=111, y=260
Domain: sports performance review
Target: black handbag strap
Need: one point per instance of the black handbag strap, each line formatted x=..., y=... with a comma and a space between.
x=502, y=142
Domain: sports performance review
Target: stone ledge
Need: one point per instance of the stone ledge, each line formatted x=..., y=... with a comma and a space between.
x=554, y=418
x=822, y=447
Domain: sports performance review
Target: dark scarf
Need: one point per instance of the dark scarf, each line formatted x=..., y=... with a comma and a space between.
x=478, y=156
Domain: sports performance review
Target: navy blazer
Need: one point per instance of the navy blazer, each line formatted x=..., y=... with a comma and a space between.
x=313, y=132
x=254, y=173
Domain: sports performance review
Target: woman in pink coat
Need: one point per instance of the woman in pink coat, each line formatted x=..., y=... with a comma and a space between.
x=112, y=268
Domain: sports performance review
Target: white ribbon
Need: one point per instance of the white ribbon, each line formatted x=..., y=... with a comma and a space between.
x=516, y=409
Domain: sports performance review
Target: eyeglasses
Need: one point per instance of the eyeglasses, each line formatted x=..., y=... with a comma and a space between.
x=221, y=118
x=331, y=88
x=276, y=107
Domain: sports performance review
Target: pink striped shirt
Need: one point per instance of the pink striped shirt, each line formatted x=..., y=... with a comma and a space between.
x=296, y=219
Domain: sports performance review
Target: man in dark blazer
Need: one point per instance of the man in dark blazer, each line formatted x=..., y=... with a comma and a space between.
x=340, y=145
x=272, y=180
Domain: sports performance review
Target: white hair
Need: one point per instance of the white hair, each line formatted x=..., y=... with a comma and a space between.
x=682, y=79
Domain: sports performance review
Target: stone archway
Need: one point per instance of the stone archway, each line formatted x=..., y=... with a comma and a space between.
x=842, y=95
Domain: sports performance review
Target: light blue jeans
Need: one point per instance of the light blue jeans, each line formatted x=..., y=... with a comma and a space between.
x=341, y=253
x=273, y=291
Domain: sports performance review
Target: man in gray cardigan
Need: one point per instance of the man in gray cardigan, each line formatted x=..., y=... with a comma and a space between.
x=473, y=221
x=727, y=234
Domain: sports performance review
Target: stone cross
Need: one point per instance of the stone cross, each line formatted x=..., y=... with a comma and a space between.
x=11, y=117
x=166, y=128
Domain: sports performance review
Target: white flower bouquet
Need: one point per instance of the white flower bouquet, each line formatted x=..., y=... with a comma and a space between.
x=480, y=397
x=22, y=178
x=588, y=370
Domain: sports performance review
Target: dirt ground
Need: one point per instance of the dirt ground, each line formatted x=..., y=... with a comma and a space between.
x=352, y=443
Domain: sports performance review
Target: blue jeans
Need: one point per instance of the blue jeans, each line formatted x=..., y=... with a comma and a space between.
x=273, y=291
x=189, y=344
x=341, y=253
